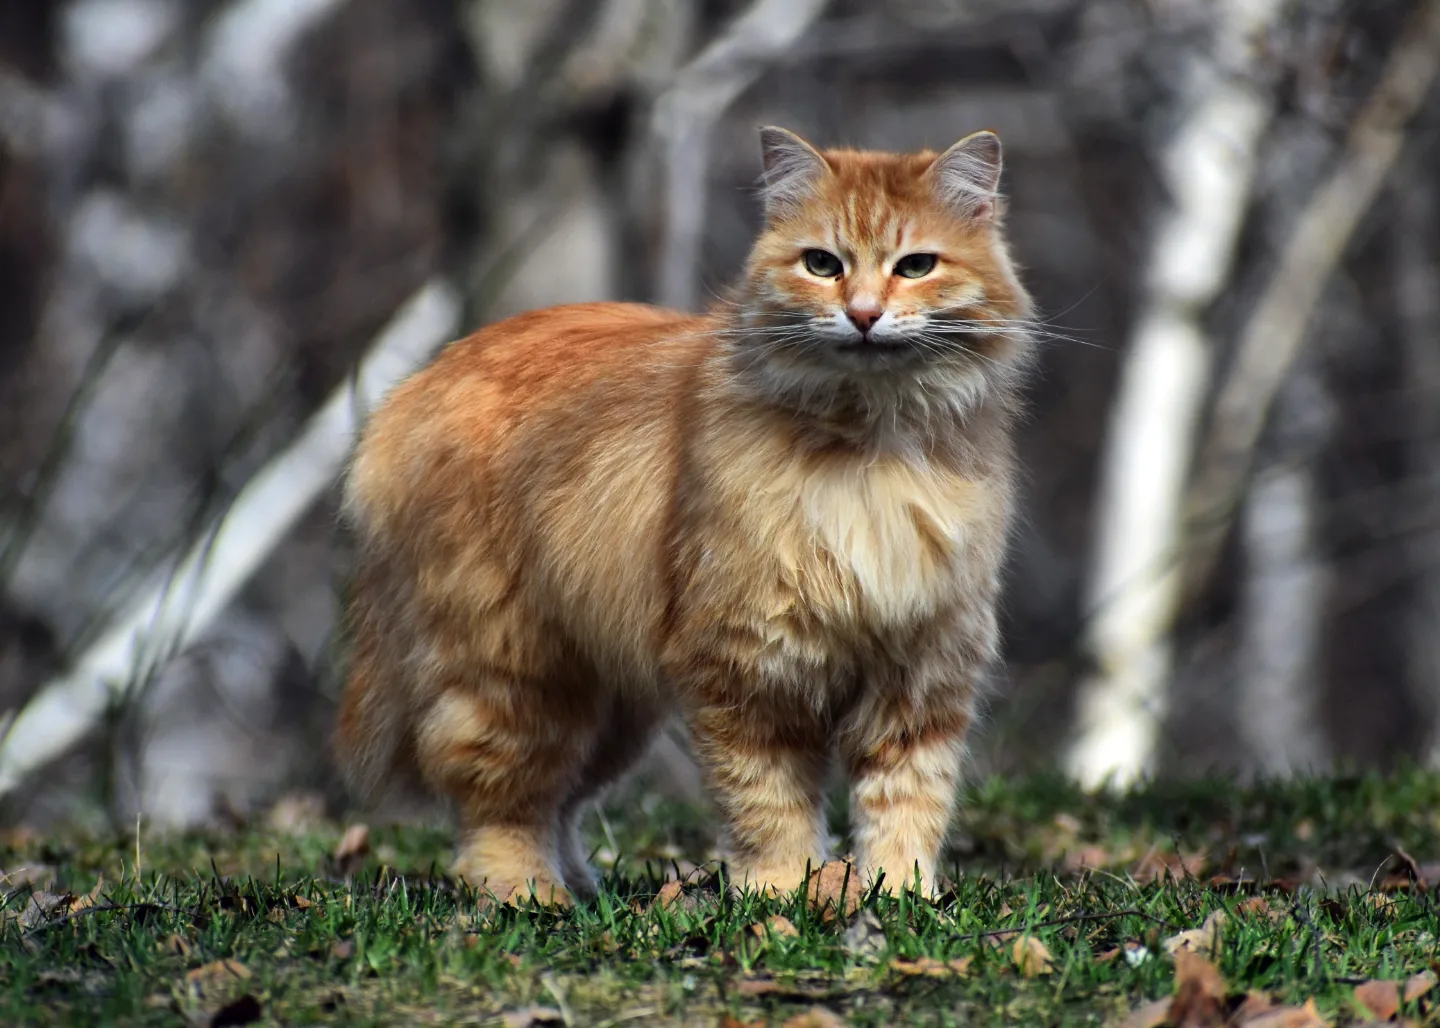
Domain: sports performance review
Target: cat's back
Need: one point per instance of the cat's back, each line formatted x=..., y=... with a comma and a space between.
x=523, y=398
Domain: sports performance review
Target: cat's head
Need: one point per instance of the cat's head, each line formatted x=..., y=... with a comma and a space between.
x=883, y=266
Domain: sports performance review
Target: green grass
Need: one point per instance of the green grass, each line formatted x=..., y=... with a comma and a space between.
x=397, y=943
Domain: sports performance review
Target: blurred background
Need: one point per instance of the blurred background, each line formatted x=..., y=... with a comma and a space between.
x=211, y=211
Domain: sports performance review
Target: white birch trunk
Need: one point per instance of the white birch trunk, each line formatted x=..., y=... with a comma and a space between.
x=1209, y=169
x=1283, y=595
x=1417, y=304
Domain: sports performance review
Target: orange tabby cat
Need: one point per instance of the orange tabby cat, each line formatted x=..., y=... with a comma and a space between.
x=782, y=521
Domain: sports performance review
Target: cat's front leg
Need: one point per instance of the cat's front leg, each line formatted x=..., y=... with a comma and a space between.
x=904, y=757
x=766, y=770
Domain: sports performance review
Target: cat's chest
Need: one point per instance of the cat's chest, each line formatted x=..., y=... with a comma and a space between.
x=881, y=545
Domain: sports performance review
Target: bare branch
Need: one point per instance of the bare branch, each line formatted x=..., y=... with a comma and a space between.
x=684, y=115
x=172, y=612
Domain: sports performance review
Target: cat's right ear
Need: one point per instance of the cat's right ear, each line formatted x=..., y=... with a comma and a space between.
x=791, y=169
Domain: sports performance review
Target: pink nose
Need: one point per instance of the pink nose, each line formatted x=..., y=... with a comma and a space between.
x=864, y=317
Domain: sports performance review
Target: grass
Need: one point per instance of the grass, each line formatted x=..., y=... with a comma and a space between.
x=257, y=926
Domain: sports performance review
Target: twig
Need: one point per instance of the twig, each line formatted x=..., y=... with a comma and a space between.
x=1072, y=919
x=685, y=113
x=108, y=908
x=171, y=613
x=1273, y=336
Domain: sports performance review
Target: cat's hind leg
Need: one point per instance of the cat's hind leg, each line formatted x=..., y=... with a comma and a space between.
x=510, y=753
x=628, y=729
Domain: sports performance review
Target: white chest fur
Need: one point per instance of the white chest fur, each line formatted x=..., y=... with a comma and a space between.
x=894, y=534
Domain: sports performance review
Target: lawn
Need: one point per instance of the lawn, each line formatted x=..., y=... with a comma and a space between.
x=1066, y=908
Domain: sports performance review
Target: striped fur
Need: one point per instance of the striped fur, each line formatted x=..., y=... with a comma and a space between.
x=583, y=521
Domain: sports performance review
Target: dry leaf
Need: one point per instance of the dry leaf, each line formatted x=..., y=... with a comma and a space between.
x=176, y=944
x=217, y=975
x=1287, y=1017
x=87, y=900
x=353, y=849
x=730, y=1021
x=837, y=883
x=929, y=967
x=343, y=950
x=670, y=893
x=1205, y=939
x=43, y=906
x=1031, y=957
x=1419, y=984
x=1199, y=992
x=1257, y=906
x=776, y=924
x=1380, y=998
x=816, y=1017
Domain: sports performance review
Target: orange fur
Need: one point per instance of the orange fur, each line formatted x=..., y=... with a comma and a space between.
x=583, y=520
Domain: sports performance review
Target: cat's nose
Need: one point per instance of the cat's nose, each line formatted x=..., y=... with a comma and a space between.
x=864, y=315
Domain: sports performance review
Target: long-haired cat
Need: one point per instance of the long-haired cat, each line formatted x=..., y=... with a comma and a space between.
x=782, y=521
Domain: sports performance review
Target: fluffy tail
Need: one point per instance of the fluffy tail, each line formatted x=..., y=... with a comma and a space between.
x=373, y=737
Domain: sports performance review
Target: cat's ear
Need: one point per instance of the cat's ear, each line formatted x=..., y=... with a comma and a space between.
x=966, y=177
x=791, y=169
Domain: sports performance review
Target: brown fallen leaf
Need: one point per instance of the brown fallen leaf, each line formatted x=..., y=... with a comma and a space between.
x=816, y=1017
x=1379, y=998
x=216, y=975
x=1419, y=984
x=43, y=906
x=670, y=893
x=835, y=886
x=1205, y=939
x=1258, y=906
x=177, y=944
x=776, y=924
x=929, y=967
x=1287, y=1017
x=1031, y=957
x=343, y=950
x=1382, y=997
x=731, y=1021
x=353, y=849
x=1199, y=992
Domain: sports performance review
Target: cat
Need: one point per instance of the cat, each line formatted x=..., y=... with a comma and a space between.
x=782, y=520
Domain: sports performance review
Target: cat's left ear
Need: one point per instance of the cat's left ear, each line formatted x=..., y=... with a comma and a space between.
x=967, y=176
x=792, y=167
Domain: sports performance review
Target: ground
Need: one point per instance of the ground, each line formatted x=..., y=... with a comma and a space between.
x=1067, y=908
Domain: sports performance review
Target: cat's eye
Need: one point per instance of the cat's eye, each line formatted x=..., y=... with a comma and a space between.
x=822, y=263
x=915, y=265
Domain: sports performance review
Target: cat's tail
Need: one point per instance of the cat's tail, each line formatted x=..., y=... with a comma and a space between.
x=373, y=736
